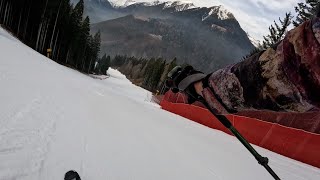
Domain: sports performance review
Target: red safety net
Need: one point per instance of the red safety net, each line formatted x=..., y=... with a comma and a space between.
x=295, y=143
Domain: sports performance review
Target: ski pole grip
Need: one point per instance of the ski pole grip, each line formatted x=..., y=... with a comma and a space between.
x=224, y=121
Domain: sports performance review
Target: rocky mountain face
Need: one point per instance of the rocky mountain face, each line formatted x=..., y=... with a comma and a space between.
x=207, y=38
x=99, y=10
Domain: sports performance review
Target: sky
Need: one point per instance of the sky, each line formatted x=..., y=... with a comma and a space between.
x=255, y=16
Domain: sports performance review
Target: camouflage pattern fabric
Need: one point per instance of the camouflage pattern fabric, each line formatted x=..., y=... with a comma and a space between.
x=283, y=78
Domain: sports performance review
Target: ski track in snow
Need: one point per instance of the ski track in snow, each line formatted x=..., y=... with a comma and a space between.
x=27, y=143
x=53, y=119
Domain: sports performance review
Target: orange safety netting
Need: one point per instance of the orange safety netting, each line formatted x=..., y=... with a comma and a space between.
x=295, y=143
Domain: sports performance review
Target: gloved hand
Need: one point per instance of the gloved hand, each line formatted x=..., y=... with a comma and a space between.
x=183, y=79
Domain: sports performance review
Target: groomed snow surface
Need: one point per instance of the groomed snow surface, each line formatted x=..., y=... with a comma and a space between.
x=54, y=119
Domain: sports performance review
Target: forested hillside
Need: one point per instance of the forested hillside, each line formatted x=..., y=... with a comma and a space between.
x=147, y=73
x=53, y=26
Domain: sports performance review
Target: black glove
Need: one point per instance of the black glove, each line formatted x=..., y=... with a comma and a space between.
x=183, y=80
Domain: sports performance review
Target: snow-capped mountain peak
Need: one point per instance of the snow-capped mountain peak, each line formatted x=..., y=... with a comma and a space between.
x=121, y=3
x=220, y=11
x=178, y=5
x=129, y=2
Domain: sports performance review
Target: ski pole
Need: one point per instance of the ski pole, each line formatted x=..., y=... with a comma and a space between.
x=263, y=161
x=177, y=74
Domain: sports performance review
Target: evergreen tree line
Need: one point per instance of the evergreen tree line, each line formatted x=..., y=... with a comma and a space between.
x=277, y=31
x=305, y=11
x=102, y=65
x=147, y=73
x=55, y=25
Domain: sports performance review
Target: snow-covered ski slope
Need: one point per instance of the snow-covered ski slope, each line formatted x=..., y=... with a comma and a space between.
x=53, y=119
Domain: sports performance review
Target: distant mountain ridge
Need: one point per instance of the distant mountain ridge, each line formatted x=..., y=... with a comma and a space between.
x=125, y=3
x=208, y=37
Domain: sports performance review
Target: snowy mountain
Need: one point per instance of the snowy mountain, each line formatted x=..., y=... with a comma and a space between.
x=172, y=5
x=220, y=11
x=208, y=38
x=202, y=37
x=122, y=3
x=128, y=3
x=181, y=5
x=100, y=10
x=54, y=119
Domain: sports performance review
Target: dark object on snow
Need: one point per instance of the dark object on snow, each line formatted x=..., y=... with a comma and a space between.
x=72, y=175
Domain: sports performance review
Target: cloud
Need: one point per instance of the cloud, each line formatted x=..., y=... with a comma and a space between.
x=254, y=16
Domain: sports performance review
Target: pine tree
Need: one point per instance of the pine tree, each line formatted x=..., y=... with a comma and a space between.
x=148, y=73
x=160, y=65
x=54, y=24
x=305, y=11
x=108, y=63
x=153, y=73
x=75, y=23
x=84, y=47
x=95, y=43
x=103, y=65
x=118, y=61
x=277, y=32
x=101, y=61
